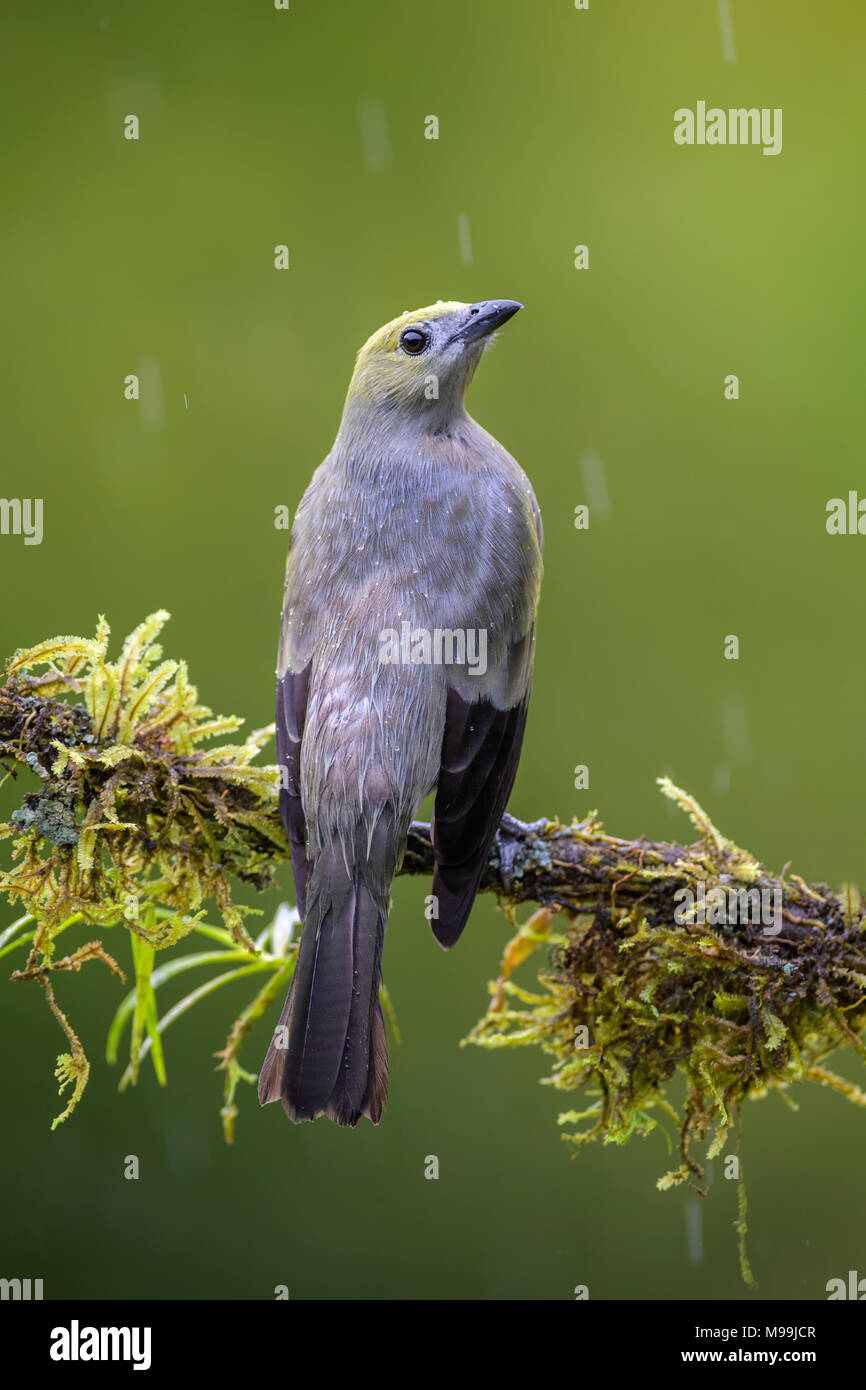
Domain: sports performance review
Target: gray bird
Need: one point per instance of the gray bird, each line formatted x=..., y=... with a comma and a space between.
x=405, y=663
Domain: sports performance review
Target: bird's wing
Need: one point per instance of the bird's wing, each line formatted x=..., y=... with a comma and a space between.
x=292, y=692
x=480, y=751
x=484, y=726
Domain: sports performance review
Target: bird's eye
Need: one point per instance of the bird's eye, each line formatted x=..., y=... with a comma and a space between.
x=412, y=340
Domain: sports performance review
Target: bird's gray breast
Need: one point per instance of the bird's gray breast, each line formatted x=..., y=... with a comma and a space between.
x=403, y=579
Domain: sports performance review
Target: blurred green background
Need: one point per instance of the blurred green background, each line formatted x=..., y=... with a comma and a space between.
x=155, y=257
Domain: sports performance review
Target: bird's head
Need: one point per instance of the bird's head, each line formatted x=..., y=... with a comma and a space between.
x=418, y=366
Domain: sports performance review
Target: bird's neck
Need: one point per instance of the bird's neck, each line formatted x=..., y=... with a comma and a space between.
x=397, y=456
x=368, y=430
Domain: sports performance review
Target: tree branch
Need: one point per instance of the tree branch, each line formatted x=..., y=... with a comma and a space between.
x=662, y=959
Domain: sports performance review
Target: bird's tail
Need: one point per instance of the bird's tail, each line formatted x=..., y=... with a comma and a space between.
x=328, y=1055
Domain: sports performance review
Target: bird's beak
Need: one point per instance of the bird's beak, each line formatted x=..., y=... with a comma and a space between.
x=483, y=318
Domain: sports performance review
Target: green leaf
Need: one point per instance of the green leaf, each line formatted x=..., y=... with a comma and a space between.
x=10, y=931
x=159, y=977
x=142, y=954
x=187, y=1003
x=152, y=1022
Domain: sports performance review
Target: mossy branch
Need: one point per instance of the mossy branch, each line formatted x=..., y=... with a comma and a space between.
x=690, y=959
x=660, y=966
x=134, y=823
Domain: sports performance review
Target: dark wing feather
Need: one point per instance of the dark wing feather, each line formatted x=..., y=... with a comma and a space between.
x=291, y=713
x=292, y=692
x=480, y=751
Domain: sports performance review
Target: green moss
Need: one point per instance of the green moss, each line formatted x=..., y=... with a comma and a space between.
x=635, y=996
x=135, y=823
